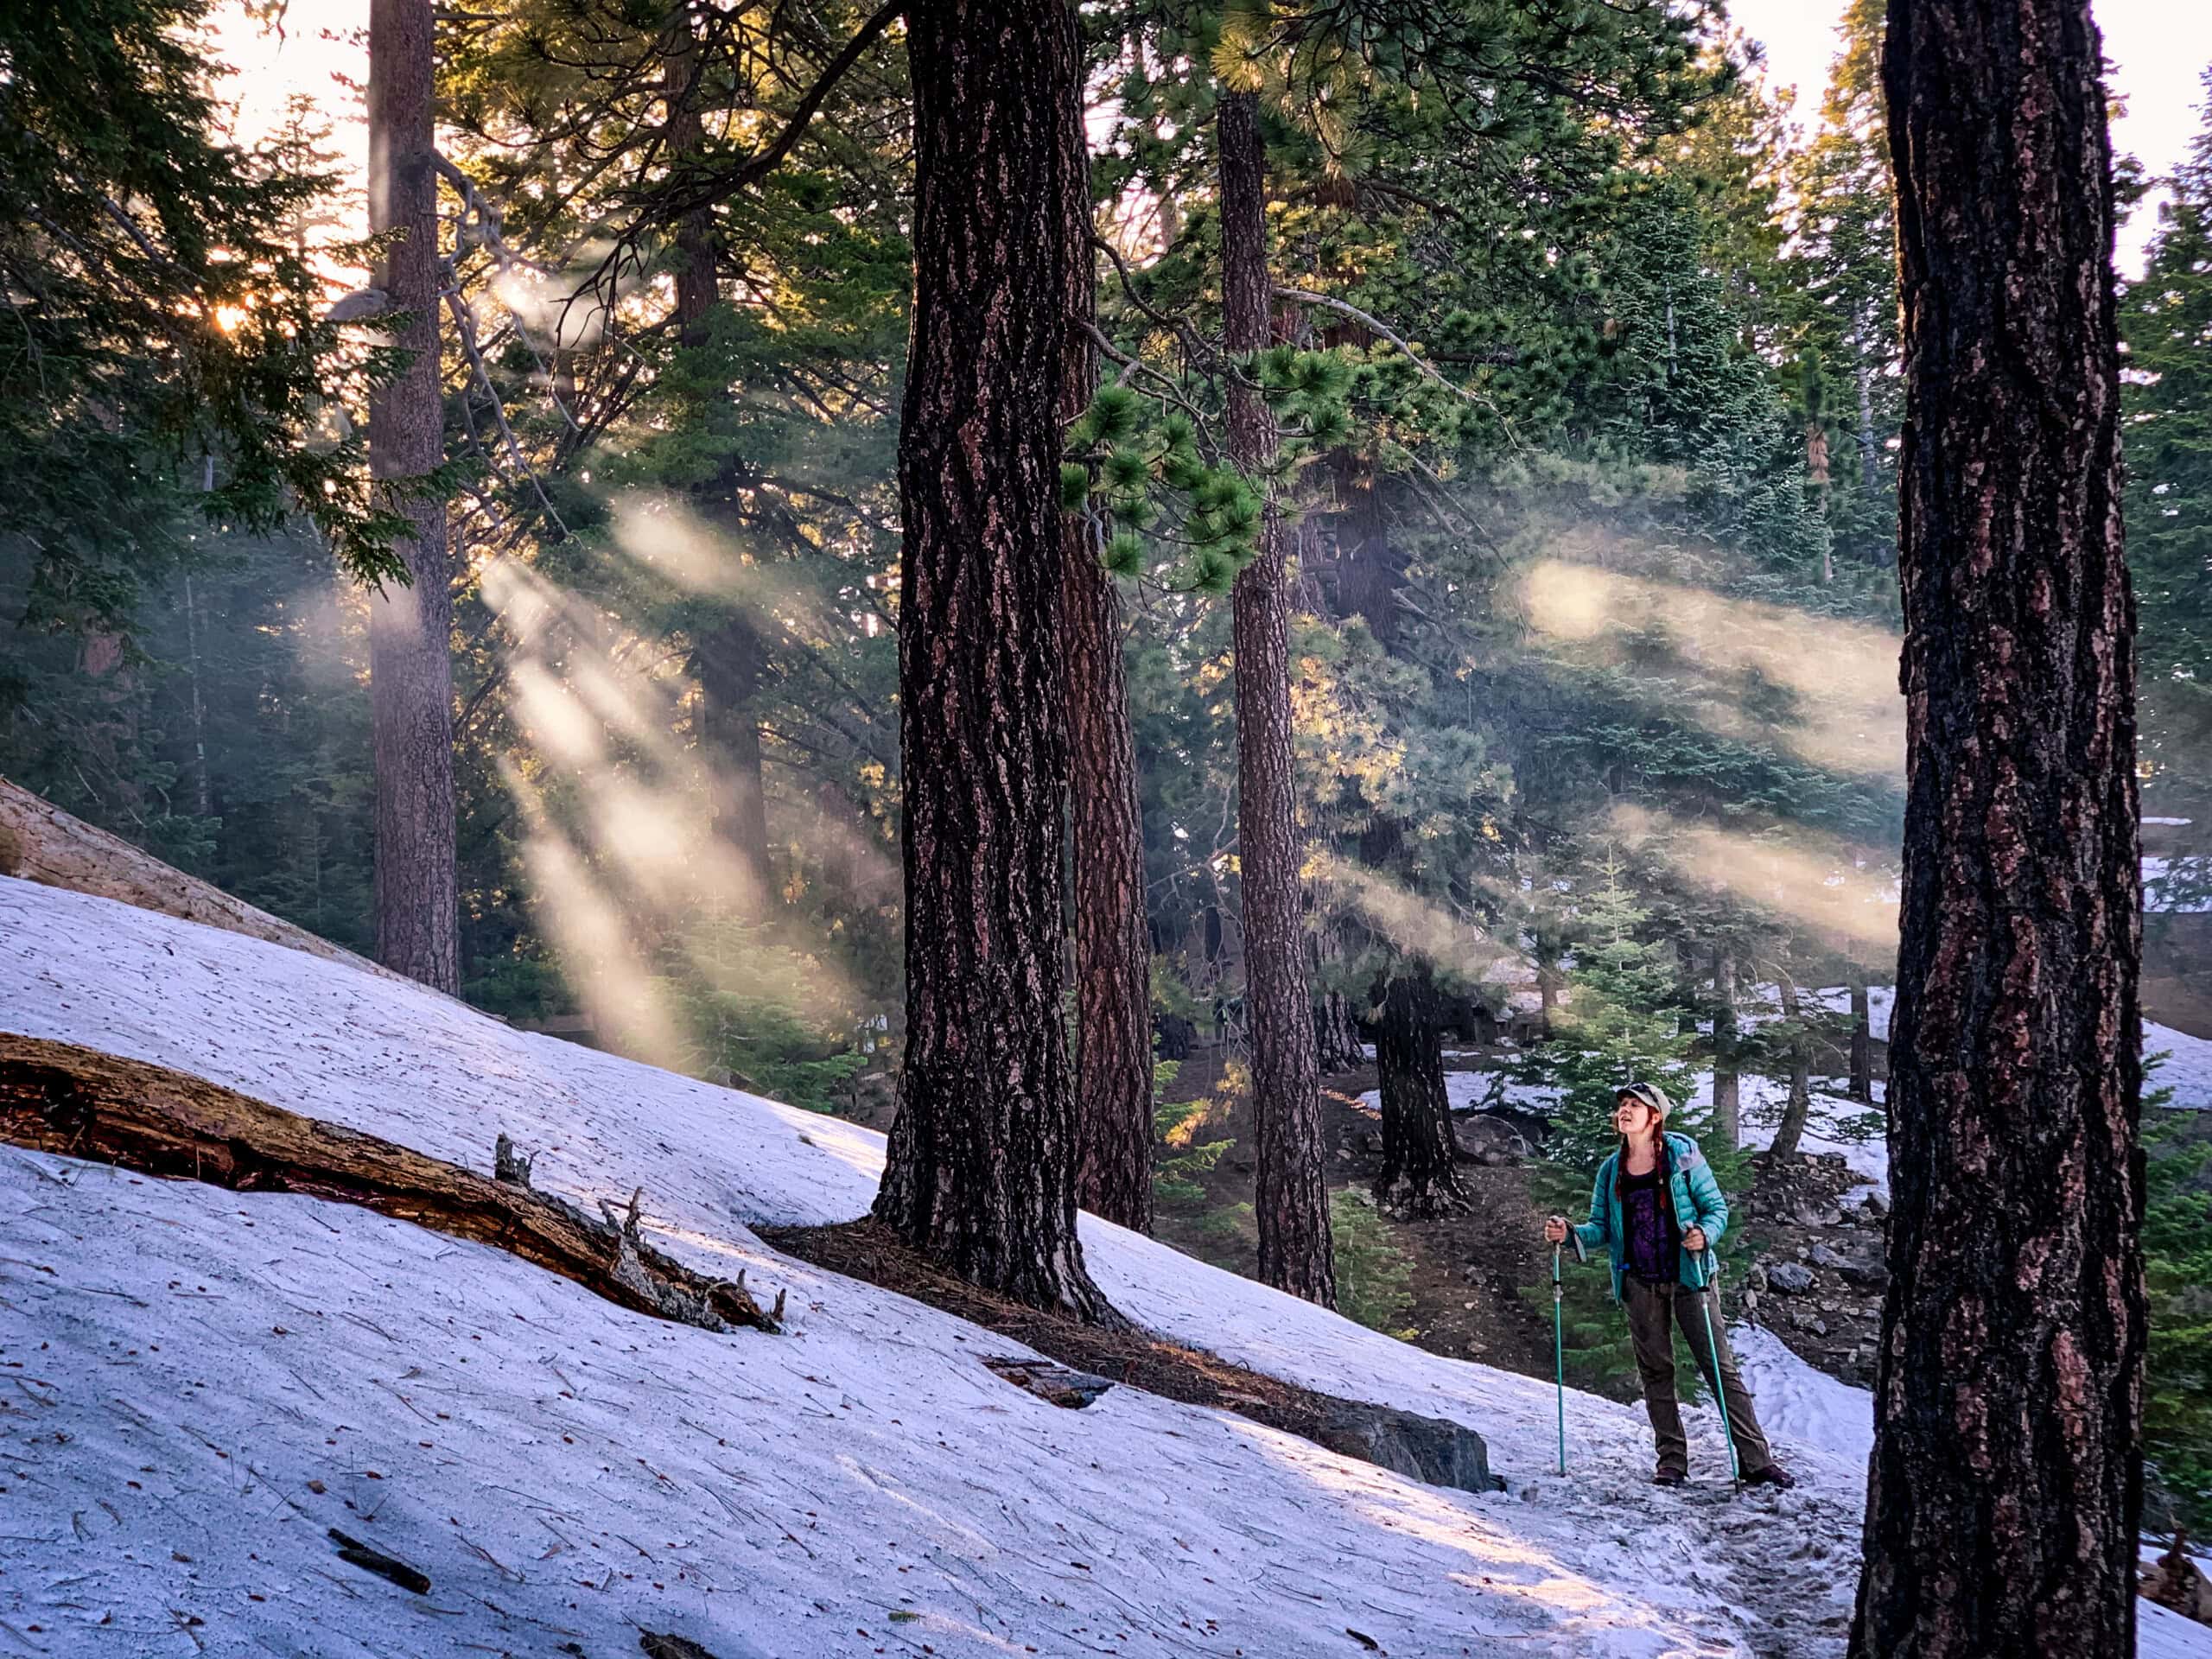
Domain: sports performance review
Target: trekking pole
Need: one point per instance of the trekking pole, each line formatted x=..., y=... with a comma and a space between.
x=1559, y=1357
x=1719, y=1393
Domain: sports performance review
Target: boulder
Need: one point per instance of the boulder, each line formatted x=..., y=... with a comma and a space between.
x=1487, y=1139
x=1821, y=1256
x=1430, y=1449
x=1790, y=1278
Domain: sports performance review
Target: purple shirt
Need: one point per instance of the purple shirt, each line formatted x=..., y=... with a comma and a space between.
x=1648, y=1224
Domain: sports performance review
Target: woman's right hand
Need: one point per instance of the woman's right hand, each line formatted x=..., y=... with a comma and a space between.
x=1555, y=1230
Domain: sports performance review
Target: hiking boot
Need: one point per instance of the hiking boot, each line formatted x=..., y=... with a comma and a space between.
x=1668, y=1477
x=1773, y=1474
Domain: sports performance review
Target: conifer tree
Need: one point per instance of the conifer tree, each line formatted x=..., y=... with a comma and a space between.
x=2005, y=1490
x=2166, y=321
x=980, y=1171
x=411, y=663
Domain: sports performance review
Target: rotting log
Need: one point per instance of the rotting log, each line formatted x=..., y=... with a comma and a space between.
x=58, y=1097
x=41, y=842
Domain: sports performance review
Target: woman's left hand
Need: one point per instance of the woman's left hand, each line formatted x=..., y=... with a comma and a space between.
x=1693, y=1240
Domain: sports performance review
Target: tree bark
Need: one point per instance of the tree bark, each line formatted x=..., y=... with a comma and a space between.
x=1727, y=1087
x=416, y=883
x=1339, y=1038
x=1113, y=946
x=1791, y=1130
x=2006, y=1485
x=732, y=661
x=980, y=1171
x=1420, y=1178
x=1337, y=1041
x=1290, y=1201
x=1862, y=1040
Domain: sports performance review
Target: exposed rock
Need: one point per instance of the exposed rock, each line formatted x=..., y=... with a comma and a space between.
x=1489, y=1139
x=2175, y=1581
x=1420, y=1448
x=1821, y=1256
x=1875, y=1206
x=1789, y=1279
x=1871, y=1275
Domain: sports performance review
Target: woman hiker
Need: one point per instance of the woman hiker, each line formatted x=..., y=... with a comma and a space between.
x=1658, y=1210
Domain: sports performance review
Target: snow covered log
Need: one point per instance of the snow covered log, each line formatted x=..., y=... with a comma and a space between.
x=41, y=842
x=60, y=1098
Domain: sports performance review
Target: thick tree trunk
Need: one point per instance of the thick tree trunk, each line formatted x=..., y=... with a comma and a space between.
x=731, y=662
x=2006, y=1488
x=1418, y=1178
x=1727, y=1087
x=416, y=896
x=1337, y=1039
x=980, y=1171
x=1290, y=1201
x=1113, y=947
x=1862, y=1040
x=1799, y=1106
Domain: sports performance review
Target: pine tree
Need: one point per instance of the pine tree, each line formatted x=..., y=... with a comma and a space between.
x=1621, y=1023
x=1290, y=1198
x=1113, y=955
x=410, y=665
x=2166, y=321
x=980, y=1168
x=1845, y=240
x=2004, y=1494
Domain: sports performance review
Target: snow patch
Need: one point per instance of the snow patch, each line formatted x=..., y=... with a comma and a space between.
x=566, y=1471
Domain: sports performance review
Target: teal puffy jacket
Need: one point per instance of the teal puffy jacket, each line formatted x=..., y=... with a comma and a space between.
x=1697, y=1203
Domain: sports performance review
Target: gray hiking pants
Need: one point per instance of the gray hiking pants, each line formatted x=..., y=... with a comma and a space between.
x=1652, y=1309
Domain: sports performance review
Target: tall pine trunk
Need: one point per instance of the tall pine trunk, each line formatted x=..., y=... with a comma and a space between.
x=730, y=657
x=1290, y=1201
x=1418, y=1178
x=1113, y=948
x=2005, y=1486
x=732, y=662
x=1727, y=1085
x=980, y=1171
x=1862, y=1039
x=1337, y=1040
x=1799, y=1106
x=417, y=884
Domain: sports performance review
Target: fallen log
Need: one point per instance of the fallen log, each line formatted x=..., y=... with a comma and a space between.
x=60, y=1098
x=41, y=842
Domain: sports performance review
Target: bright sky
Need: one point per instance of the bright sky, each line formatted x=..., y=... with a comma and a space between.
x=2157, y=48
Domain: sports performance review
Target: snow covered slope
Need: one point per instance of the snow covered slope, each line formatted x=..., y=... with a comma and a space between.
x=196, y=1386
